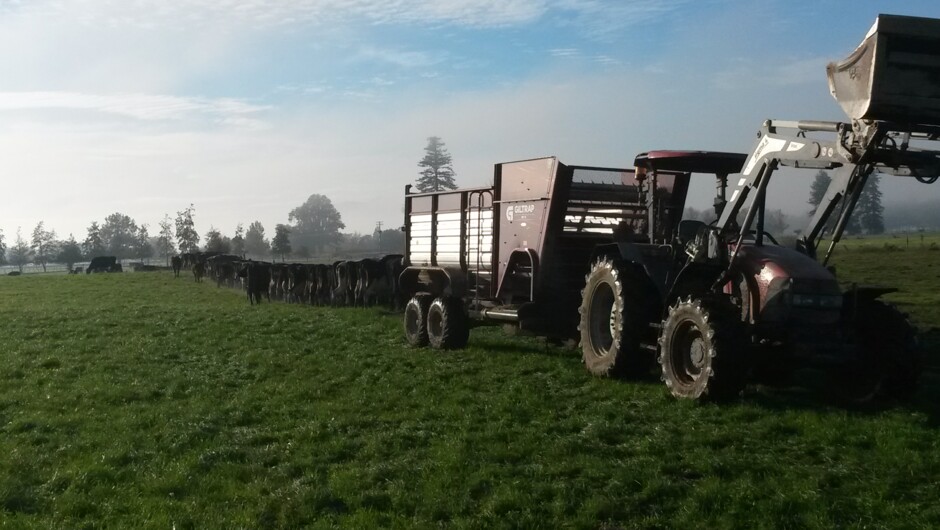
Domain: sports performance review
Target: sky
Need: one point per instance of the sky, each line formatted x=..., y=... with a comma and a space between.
x=246, y=108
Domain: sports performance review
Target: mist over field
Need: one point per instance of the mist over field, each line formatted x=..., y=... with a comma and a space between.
x=246, y=112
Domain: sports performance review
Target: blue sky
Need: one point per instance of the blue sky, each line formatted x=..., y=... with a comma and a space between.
x=245, y=108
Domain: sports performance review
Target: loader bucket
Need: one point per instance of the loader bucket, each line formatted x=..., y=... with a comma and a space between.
x=894, y=74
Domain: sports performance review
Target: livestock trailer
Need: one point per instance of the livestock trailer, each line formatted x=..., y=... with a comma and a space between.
x=518, y=251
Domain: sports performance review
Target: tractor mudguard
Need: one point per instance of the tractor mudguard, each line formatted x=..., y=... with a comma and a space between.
x=627, y=252
x=860, y=294
x=631, y=255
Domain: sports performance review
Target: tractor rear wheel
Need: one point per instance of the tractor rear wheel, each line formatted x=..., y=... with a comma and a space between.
x=612, y=322
x=415, y=319
x=448, y=326
x=701, y=350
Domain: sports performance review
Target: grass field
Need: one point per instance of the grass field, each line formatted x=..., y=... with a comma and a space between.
x=144, y=401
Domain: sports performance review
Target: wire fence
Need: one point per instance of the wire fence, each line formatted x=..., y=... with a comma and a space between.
x=62, y=268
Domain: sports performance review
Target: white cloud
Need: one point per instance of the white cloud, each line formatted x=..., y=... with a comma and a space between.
x=598, y=17
x=603, y=19
x=263, y=13
x=402, y=58
x=147, y=107
x=790, y=72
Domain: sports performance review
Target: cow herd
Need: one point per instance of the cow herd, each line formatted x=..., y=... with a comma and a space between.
x=363, y=282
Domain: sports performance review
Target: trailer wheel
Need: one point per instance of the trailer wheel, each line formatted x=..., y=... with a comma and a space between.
x=448, y=327
x=889, y=354
x=611, y=321
x=701, y=350
x=416, y=319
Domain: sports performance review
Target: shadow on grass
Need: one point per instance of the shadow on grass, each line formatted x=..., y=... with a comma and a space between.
x=501, y=345
x=812, y=389
x=807, y=389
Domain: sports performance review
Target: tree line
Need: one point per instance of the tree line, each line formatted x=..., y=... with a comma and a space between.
x=866, y=218
x=312, y=229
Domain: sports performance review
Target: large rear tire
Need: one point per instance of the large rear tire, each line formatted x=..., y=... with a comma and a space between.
x=448, y=326
x=415, y=319
x=612, y=323
x=702, y=350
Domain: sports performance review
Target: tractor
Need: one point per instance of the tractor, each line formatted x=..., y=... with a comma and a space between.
x=742, y=305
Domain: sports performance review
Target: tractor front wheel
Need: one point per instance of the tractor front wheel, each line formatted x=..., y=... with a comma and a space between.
x=701, y=350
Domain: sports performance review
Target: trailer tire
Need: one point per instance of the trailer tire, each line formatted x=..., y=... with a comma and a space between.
x=448, y=327
x=702, y=350
x=415, y=319
x=612, y=323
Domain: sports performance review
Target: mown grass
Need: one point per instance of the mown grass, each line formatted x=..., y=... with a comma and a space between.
x=140, y=400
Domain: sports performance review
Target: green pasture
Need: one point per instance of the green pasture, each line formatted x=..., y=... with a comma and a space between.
x=139, y=400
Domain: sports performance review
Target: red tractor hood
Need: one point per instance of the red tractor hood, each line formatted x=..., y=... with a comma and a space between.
x=771, y=261
x=774, y=271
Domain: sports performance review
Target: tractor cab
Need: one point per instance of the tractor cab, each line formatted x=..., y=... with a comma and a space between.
x=719, y=164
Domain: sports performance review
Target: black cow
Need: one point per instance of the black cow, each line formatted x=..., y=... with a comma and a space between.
x=370, y=274
x=394, y=265
x=323, y=285
x=296, y=286
x=257, y=277
x=189, y=259
x=278, y=281
x=378, y=281
x=310, y=292
x=177, y=263
x=199, y=270
x=103, y=264
x=344, y=287
x=222, y=268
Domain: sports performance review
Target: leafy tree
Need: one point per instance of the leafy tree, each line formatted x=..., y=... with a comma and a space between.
x=119, y=235
x=238, y=242
x=316, y=223
x=142, y=247
x=186, y=236
x=391, y=241
x=165, y=239
x=20, y=252
x=215, y=242
x=3, y=249
x=692, y=214
x=43, y=244
x=255, y=242
x=69, y=252
x=869, y=211
x=438, y=174
x=280, y=245
x=93, y=244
